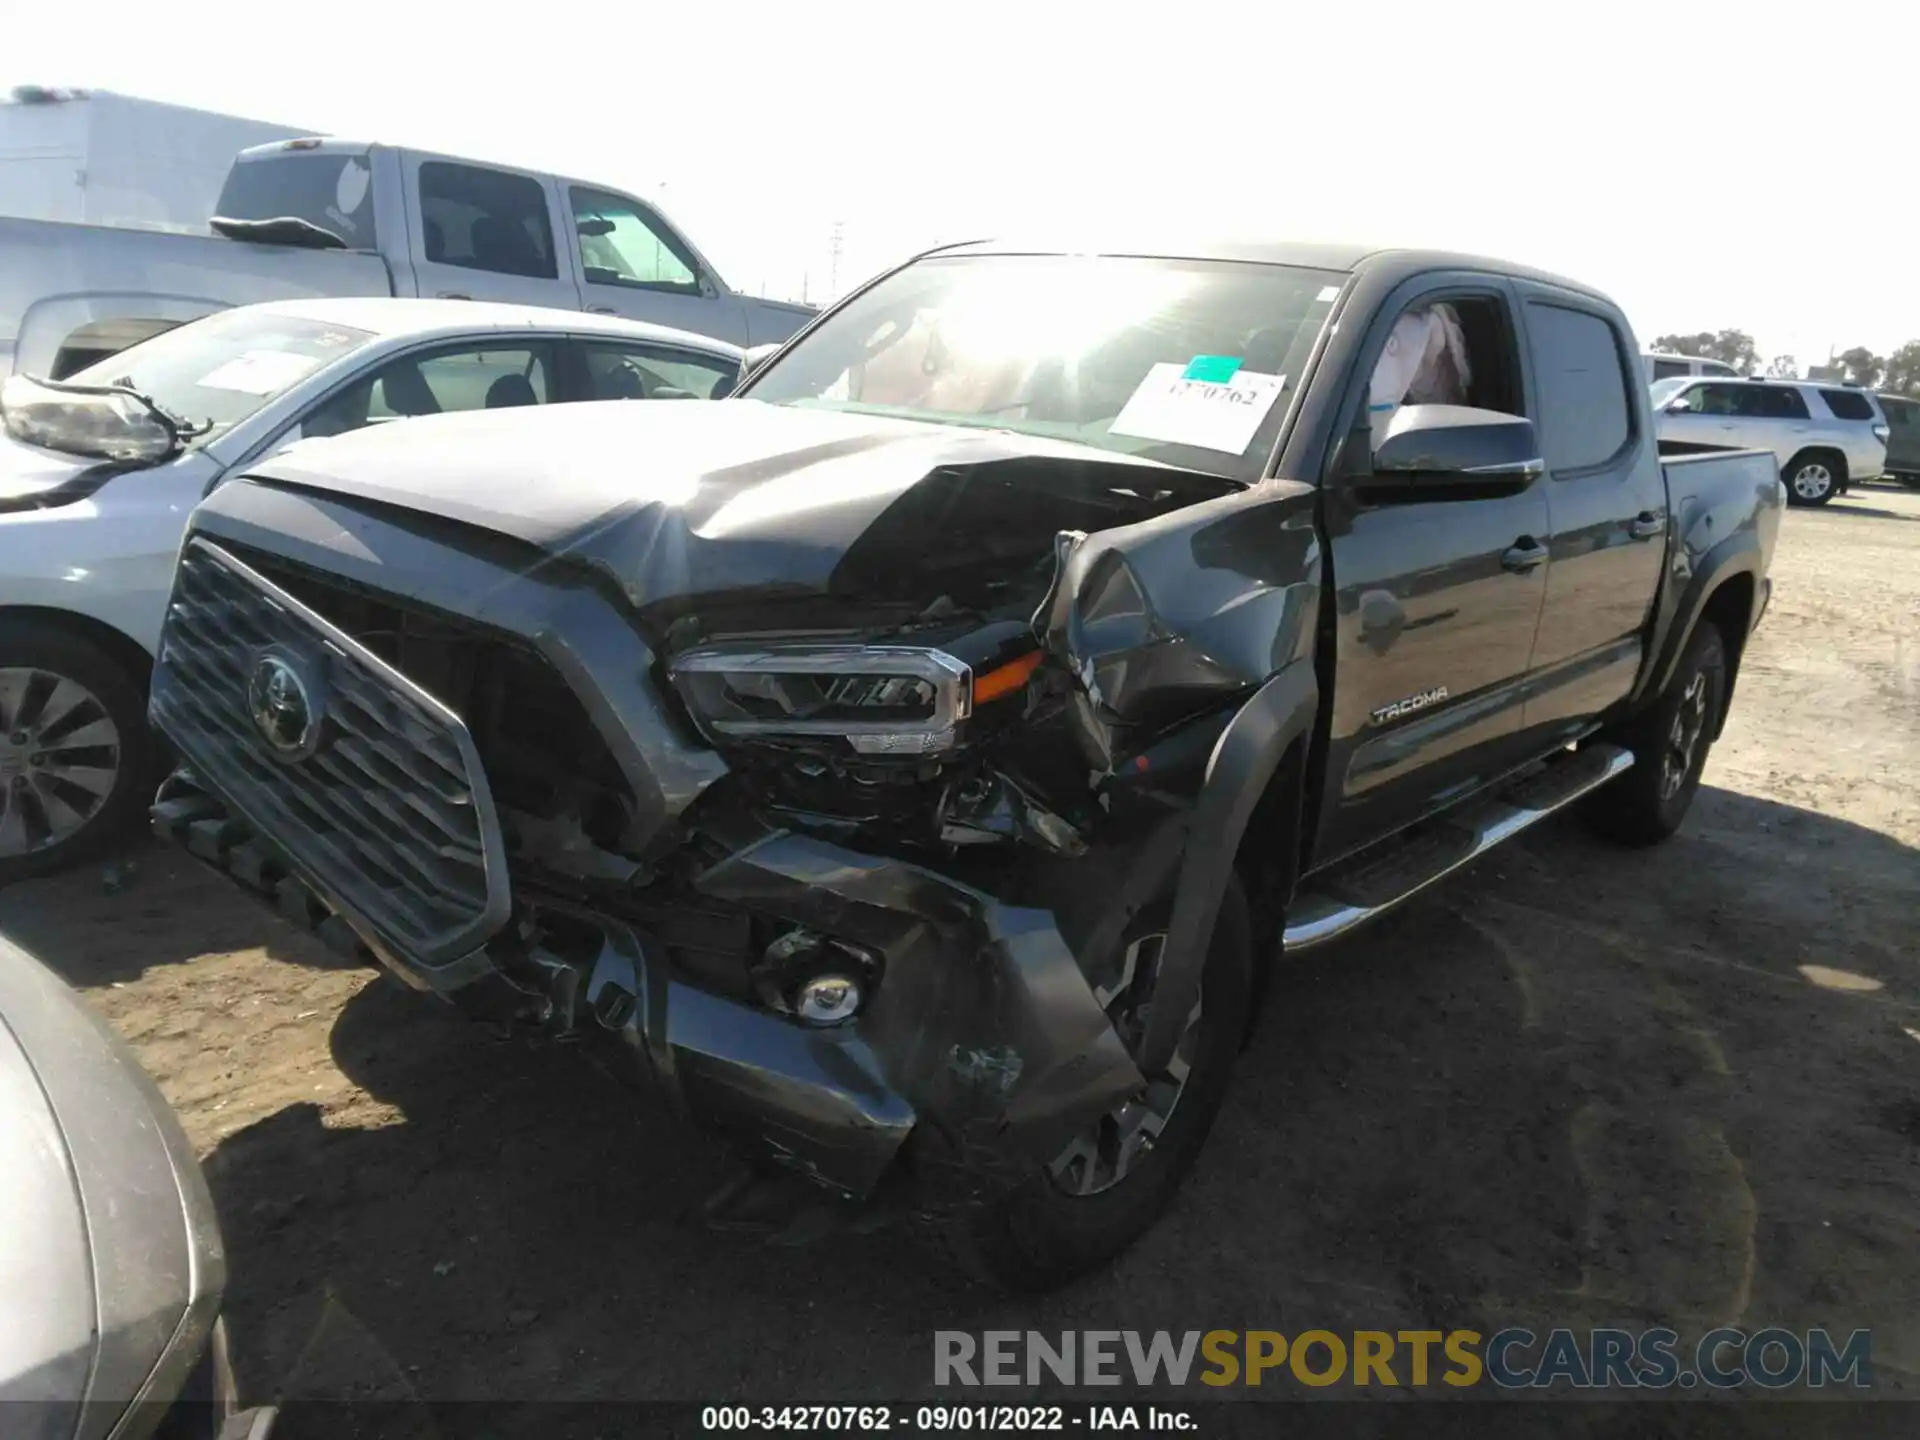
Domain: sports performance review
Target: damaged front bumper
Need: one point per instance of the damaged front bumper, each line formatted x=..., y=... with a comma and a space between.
x=981, y=1050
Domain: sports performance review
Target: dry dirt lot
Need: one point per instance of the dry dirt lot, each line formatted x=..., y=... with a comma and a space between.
x=1574, y=1086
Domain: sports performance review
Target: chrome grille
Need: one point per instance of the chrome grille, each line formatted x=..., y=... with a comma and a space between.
x=389, y=816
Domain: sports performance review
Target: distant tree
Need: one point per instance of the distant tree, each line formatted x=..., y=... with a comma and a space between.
x=1903, y=370
x=1732, y=347
x=1684, y=344
x=1863, y=367
x=1783, y=367
x=1737, y=349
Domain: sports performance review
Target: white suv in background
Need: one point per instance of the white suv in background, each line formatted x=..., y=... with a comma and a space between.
x=1824, y=436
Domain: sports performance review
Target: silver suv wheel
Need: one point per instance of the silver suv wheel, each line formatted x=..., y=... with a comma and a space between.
x=1812, y=480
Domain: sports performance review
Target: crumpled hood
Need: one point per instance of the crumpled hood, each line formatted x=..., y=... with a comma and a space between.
x=680, y=500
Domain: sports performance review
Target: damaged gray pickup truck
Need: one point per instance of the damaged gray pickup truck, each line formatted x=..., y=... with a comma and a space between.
x=924, y=759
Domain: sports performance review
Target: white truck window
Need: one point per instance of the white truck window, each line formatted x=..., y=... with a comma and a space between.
x=621, y=246
x=481, y=219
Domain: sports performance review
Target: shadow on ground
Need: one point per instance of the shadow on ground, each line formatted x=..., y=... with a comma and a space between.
x=105, y=924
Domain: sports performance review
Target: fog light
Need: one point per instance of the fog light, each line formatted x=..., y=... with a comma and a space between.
x=827, y=999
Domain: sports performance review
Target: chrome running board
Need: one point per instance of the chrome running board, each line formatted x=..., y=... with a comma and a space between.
x=1355, y=891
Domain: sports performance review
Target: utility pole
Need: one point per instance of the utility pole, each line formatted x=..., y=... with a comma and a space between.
x=834, y=237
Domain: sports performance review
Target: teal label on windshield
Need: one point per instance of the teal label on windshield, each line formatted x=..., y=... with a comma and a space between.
x=1214, y=369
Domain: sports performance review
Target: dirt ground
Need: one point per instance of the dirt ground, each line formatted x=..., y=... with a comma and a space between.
x=1574, y=1086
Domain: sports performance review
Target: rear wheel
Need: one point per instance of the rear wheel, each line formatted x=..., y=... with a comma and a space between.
x=1110, y=1183
x=75, y=752
x=1669, y=740
x=1814, y=477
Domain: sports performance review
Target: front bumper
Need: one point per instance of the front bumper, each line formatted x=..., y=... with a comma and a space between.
x=982, y=1043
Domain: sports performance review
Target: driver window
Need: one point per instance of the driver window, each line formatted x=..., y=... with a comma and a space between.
x=1715, y=399
x=620, y=245
x=1457, y=351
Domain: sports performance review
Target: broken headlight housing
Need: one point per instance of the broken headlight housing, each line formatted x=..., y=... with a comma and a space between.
x=878, y=699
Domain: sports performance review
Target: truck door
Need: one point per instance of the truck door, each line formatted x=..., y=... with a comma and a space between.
x=631, y=262
x=1436, y=597
x=1607, y=511
x=481, y=233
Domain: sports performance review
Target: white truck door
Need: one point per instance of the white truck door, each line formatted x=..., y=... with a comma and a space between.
x=480, y=232
x=631, y=262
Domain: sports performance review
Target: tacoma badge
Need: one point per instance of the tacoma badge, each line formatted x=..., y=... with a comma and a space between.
x=1411, y=705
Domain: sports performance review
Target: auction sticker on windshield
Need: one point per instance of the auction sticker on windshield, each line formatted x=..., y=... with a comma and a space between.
x=259, y=372
x=1212, y=414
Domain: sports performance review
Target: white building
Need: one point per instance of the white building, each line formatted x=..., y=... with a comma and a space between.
x=92, y=157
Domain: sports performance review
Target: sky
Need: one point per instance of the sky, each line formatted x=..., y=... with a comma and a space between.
x=1709, y=166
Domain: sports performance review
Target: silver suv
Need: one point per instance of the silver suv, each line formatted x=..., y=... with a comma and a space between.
x=1824, y=436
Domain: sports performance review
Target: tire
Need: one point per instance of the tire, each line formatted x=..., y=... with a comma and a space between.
x=1912, y=482
x=1042, y=1234
x=76, y=756
x=1814, y=477
x=1647, y=804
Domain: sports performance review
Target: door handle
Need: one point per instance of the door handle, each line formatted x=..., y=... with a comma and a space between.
x=453, y=295
x=599, y=310
x=1646, y=525
x=1523, y=555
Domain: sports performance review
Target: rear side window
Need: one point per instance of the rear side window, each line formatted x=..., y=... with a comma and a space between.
x=1848, y=404
x=652, y=372
x=1667, y=369
x=1775, y=402
x=1585, y=419
x=481, y=219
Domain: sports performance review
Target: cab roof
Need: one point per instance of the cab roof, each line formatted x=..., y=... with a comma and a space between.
x=1392, y=263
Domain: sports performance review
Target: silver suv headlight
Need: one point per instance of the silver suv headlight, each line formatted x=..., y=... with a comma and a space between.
x=879, y=699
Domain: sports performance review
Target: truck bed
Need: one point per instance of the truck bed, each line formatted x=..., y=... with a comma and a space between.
x=53, y=274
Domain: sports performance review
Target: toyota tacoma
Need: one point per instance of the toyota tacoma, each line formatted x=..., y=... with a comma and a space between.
x=923, y=759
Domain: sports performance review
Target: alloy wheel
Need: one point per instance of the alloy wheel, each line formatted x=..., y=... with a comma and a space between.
x=1812, y=481
x=1683, y=736
x=60, y=756
x=1100, y=1157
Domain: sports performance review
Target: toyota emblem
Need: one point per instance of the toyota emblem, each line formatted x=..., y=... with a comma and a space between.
x=282, y=706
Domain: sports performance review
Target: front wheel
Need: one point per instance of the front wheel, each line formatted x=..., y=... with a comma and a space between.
x=1813, y=479
x=1109, y=1185
x=1669, y=740
x=75, y=752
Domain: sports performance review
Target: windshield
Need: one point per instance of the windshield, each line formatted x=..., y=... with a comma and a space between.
x=1182, y=361
x=324, y=188
x=1664, y=390
x=219, y=370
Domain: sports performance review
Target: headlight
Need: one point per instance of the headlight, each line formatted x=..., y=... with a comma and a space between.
x=882, y=700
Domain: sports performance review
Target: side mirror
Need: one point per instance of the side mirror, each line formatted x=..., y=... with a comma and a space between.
x=756, y=357
x=1455, y=447
x=1681, y=406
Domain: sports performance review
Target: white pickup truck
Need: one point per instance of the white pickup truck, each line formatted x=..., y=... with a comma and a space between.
x=300, y=219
